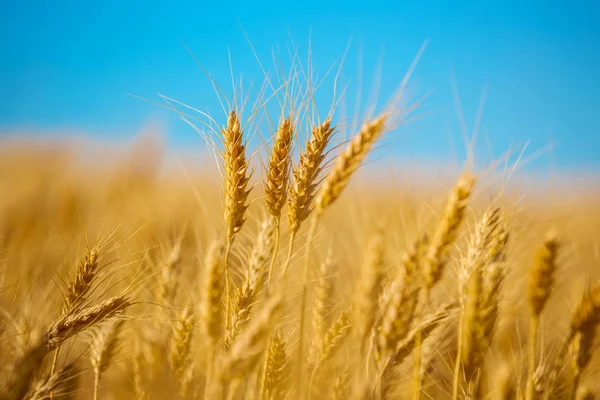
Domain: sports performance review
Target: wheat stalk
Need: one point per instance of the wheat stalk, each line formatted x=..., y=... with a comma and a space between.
x=541, y=281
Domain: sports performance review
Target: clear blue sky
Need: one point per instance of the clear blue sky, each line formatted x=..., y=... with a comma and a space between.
x=70, y=65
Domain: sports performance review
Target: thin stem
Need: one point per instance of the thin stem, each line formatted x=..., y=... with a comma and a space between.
x=96, y=384
x=311, y=232
x=289, y=255
x=233, y=389
x=456, y=381
x=275, y=251
x=418, y=343
x=227, y=286
x=263, y=377
x=533, y=327
x=210, y=364
x=53, y=368
x=576, y=380
x=312, y=378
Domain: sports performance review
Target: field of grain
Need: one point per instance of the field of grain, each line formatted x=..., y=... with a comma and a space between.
x=285, y=273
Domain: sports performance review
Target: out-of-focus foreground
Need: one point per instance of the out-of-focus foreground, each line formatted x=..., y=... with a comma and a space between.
x=120, y=281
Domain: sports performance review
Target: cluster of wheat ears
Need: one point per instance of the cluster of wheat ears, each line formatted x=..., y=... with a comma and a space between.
x=244, y=331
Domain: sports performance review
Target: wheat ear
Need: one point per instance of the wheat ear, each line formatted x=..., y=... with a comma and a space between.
x=72, y=324
x=348, y=162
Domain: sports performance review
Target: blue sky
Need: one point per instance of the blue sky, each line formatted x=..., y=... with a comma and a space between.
x=70, y=66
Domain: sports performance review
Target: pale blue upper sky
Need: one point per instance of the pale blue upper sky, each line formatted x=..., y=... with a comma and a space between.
x=70, y=65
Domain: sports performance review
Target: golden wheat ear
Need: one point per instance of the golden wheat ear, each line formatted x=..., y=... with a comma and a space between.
x=236, y=176
x=276, y=181
x=72, y=324
x=302, y=190
x=348, y=162
x=82, y=282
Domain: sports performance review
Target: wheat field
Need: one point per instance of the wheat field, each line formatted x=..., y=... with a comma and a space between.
x=280, y=271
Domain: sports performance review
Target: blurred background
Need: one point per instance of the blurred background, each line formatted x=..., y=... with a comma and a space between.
x=520, y=75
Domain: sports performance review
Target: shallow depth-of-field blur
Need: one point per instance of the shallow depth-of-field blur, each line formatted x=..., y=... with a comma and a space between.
x=121, y=277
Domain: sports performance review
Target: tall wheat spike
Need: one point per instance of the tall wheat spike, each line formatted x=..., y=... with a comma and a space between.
x=236, y=176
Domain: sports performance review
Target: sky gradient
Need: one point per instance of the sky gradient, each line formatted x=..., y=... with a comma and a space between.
x=70, y=66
